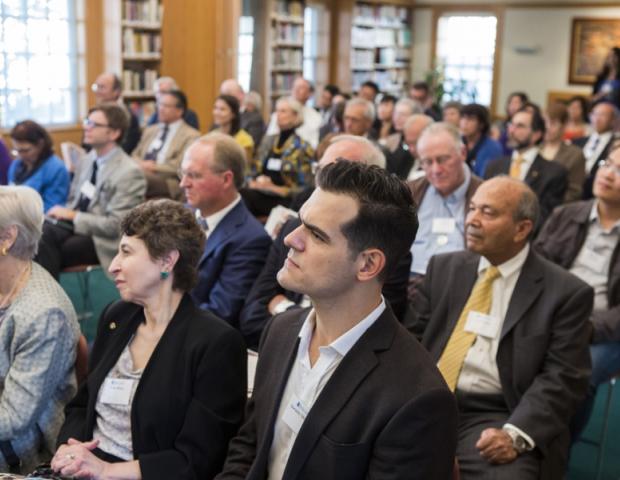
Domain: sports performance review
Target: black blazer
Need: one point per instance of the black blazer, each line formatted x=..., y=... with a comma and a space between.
x=255, y=314
x=542, y=358
x=589, y=181
x=549, y=180
x=189, y=401
x=385, y=413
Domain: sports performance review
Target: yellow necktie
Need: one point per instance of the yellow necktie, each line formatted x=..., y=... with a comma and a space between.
x=515, y=167
x=453, y=356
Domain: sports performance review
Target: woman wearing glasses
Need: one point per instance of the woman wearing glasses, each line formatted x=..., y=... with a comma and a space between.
x=36, y=166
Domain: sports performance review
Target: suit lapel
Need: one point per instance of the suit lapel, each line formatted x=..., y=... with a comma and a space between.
x=353, y=368
x=528, y=288
x=224, y=229
x=535, y=170
x=108, y=168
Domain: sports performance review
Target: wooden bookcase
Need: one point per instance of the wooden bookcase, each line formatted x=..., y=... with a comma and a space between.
x=381, y=46
x=134, y=46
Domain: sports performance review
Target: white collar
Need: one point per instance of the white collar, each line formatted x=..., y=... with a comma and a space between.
x=214, y=219
x=509, y=266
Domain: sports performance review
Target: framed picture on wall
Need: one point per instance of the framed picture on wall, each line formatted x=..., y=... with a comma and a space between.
x=591, y=40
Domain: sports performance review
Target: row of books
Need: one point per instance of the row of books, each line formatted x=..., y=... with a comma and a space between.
x=288, y=33
x=379, y=37
x=380, y=14
x=282, y=81
x=140, y=42
x=142, y=11
x=139, y=80
x=288, y=57
x=293, y=9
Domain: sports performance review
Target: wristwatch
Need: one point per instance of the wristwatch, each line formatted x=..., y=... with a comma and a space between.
x=518, y=442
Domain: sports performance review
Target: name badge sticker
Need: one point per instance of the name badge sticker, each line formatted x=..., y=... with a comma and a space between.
x=482, y=324
x=274, y=164
x=88, y=190
x=295, y=414
x=445, y=225
x=116, y=391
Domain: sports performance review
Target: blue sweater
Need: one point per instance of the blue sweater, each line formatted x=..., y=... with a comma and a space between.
x=51, y=180
x=489, y=150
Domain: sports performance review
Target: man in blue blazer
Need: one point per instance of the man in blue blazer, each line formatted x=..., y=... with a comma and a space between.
x=237, y=245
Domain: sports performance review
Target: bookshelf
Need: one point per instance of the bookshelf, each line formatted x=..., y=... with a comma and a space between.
x=133, y=48
x=287, y=46
x=381, y=46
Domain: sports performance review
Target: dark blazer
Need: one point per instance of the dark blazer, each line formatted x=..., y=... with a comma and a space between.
x=189, y=401
x=255, y=314
x=572, y=159
x=561, y=240
x=234, y=255
x=253, y=123
x=542, y=358
x=589, y=181
x=385, y=413
x=132, y=135
x=549, y=180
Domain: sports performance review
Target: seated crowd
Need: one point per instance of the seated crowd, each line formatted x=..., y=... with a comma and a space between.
x=431, y=295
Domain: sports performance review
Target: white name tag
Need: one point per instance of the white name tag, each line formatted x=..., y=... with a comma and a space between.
x=274, y=164
x=445, y=225
x=156, y=145
x=116, y=391
x=295, y=414
x=88, y=190
x=597, y=262
x=482, y=324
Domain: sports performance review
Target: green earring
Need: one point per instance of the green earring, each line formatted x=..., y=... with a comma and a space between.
x=164, y=275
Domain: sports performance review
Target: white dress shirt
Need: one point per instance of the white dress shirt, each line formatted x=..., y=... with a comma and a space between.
x=528, y=157
x=172, y=130
x=305, y=383
x=594, y=147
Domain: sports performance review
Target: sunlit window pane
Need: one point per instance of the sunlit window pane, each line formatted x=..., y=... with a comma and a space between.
x=12, y=8
x=246, y=46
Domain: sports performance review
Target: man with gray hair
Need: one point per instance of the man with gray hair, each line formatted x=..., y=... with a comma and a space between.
x=212, y=172
x=508, y=330
x=442, y=194
x=168, y=84
x=359, y=115
x=268, y=297
x=412, y=130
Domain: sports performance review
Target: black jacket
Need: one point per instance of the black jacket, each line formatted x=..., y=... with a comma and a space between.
x=190, y=399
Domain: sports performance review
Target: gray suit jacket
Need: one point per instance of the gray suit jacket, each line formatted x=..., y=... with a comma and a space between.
x=542, y=358
x=572, y=159
x=384, y=414
x=120, y=187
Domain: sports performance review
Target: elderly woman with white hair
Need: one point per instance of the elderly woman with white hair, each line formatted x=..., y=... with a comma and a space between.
x=38, y=339
x=283, y=162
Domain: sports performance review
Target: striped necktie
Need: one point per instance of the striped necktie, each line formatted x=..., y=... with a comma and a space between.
x=459, y=343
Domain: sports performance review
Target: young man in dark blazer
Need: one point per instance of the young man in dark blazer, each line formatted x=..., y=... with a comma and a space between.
x=523, y=361
x=343, y=391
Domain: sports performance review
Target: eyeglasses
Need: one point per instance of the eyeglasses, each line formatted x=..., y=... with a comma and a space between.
x=21, y=151
x=440, y=160
x=609, y=164
x=193, y=176
x=88, y=123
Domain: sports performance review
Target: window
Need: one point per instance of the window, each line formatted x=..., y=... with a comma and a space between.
x=40, y=62
x=465, y=54
x=316, y=46
x=246, y=46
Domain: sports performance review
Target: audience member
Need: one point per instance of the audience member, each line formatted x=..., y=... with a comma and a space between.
x=383, y=126
x=309, y=128
x=268, y=297
x=442, y=195
x=451, y=113
x=475, y=125
x=421, y=93
x=335, y=124
x=359, y=115
x=162, y=146
x=166, y=385
x=108, y=88
x=547, y=179
x=414, y=126
x=36, y=166
x=577, y=125
x=596, y=146
x=5, y=163
x=399, y=157
x=282, y=162
x=508, y=331
x=583, y=238
x=106, y=185
x=212, y=173
x=343, y=391
x=39, y=337
x=251, y=117
x=515, y=102
x=165, y=85
x=324, y=103
x=607, y=84
x=556, y=149
x=369, y=91
x=226, y=115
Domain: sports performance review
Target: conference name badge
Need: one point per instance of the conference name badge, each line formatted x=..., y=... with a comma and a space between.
x=444, y=225
x=482, y=324
x=116, y=391
x=274, y=164
x=295, y=414
x=88, y=190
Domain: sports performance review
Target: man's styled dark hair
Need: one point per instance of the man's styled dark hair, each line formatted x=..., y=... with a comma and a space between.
x=480, y=113
x=333, y=89
x=117, y=117
x=179, y=97
x=371, y=84
x=387, y=217
x=538, y=122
